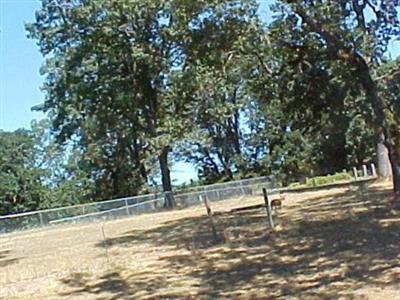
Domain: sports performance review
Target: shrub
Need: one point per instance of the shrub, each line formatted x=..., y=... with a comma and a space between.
x=295, y=185
x=322, y=180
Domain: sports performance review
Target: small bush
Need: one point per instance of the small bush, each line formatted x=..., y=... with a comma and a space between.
x=322, y=180
x=295, y=185
x=342, y=176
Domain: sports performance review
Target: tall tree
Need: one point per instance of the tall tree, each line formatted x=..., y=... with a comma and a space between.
x=21, y=187
x=388, y=78
x=350, y=38
x=65, y=179
x=113, y=76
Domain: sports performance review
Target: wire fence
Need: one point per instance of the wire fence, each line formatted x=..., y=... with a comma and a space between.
x=130, y=206
x=92, y=248
x=123, y=207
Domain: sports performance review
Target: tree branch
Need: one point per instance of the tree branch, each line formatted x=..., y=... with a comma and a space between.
x=389, y=76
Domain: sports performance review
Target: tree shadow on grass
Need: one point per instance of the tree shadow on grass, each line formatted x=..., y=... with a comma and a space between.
x=5, y=260
x=327, y=248
x=111, y=286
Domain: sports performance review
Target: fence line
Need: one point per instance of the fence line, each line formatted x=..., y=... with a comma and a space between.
x=215, y=186
x=113, y=208
x=80, y=206
x=39, y=259
x=127, y=206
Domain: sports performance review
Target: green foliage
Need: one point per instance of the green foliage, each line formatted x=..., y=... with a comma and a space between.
x=389, y=88
x=131, y=84
x=295, y=185
x=323, y=180
x=20, y=178
x=36, y=173
x=314, y=77
x=118, y=78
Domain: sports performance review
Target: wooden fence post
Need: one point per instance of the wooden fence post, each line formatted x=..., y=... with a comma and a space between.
x=210, y=218
x=105, y=245
x=268, y=207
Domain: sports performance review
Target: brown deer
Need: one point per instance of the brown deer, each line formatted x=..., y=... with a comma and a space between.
x=277, y=203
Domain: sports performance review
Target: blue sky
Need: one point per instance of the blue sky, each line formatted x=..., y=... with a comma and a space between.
x=19, y=66
x=20, y=62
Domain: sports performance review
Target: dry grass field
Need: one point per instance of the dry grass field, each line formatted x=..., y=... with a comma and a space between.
x=332, y=244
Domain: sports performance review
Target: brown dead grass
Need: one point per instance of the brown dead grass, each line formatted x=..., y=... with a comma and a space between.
x=334, y=244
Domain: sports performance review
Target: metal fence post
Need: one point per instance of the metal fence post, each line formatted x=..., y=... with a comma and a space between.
x=41, y=219
x=242, y=189
x=218, y=195
x=127, y=207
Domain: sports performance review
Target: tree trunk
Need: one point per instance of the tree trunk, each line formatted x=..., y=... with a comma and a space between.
x=384, y=135
x=210, y=160
x=395, y=169
x=352, y=57
x=392, y=144
x=166, y=178
x=382, y=126
x=224, y=161
x=382, y=159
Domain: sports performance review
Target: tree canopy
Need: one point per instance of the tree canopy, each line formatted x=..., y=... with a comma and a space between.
x=132, y=86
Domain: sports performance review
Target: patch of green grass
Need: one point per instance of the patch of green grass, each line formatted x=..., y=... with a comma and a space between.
x=322, y=180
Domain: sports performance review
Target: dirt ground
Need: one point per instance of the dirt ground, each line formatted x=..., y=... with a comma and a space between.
x=336, y=244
